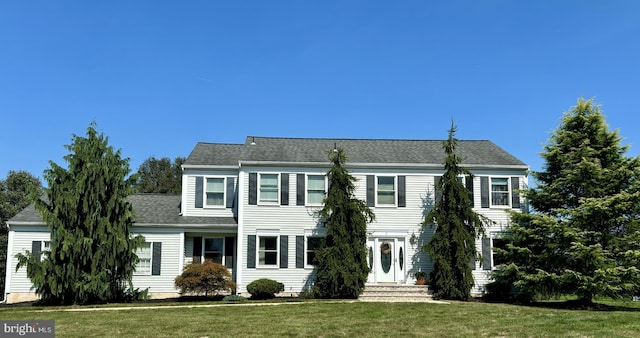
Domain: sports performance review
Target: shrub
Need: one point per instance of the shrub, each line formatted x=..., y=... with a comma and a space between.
x=264, y=288
x=234, y=298
x=207, y=277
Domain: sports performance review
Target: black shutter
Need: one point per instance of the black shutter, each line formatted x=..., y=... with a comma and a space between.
x=469, y=184
x=515, y=195
x=199, y=191
x=300, y=188
x=35, y=249
x=251, y=251
x=402, y=191
x=484, y=192
x=197, y=249
x=436, y=188
x=486, y=254
x=371, y=191
x=472, y=262
x=299, y=252
x=231, y=194
x=284, y=251
x=156, y=259
x=253, y=188
x=284, y=189
x=229, y=243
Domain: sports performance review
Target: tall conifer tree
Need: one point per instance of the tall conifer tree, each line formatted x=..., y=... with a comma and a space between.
x=92, y=254
x=342, y=260
x=583, y=236
x=452, y=246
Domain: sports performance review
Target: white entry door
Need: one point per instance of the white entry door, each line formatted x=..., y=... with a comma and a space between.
x=386, y=261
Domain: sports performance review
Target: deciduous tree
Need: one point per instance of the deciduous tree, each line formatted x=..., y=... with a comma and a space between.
x=160, y=176
x=342, y=261
x=92, y=256
x=457, y=226
x=582, y=237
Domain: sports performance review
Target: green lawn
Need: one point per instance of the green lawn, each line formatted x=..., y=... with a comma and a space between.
x=329, y=319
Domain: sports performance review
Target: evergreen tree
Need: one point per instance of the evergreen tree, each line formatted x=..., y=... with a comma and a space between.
x=342, y=260
x=92, y=254
x=582, y=238
x=452, y=246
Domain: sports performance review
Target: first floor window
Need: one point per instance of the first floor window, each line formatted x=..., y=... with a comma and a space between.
x=500, y=191
x=313, y=243
x=499, y=243
x=315, y=189
x=269, y=188
x=386, y=190
x=215, y=191
x=213, y=249
x=268, y=250
x=144, y=254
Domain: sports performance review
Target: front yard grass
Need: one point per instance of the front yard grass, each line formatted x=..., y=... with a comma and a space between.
x=335, y=319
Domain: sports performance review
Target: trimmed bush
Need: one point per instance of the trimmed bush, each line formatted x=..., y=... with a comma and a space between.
x=205, y=278
x=234, y=298
x=264, y=288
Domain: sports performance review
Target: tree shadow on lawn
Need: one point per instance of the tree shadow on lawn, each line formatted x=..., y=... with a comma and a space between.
x=576, y=305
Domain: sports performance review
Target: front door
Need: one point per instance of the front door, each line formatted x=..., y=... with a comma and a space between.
x=386, y=257
x=385, y=264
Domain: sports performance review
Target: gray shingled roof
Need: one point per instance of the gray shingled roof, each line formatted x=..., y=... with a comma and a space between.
x=359, y=151
x=154, y=209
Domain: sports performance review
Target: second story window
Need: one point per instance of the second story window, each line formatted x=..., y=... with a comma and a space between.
x=215, y=192
x=269, y=188
x=315, y=189
x=500, y=191
x=386, y=190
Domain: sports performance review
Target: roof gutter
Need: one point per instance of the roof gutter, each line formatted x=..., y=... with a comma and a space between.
x=379, y=165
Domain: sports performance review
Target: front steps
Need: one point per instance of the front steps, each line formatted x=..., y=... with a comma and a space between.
x=395, y=293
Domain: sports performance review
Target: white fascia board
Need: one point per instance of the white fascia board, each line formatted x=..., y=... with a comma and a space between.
x=208, y=166
x=377, y=165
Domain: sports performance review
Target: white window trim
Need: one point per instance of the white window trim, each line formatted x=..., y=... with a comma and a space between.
x=44, y=245
x=268, y=266
x=145, y=273
x=259, y=192
x=306, y=192
x=224, y=193
x=509, y=192
x=395, y=191
x=306, y=250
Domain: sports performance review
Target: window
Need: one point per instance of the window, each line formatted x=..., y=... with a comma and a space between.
x=499, y=243
x=269, y=188
x=144, y=254
x=313, y=243
x=500, y=191
x=214, y=193
x=315, y=189
x=213, y=249
x=46, y=248
x=386, y=190
x=268, y=251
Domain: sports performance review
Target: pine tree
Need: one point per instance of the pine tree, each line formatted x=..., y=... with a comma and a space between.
x=342, y=260
x=92, y=256
x=582, y=238
x=452, y=246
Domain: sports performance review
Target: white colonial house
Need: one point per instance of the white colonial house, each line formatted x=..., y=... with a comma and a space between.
x=252, y=207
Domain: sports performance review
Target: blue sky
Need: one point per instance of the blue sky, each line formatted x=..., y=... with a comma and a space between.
x=159, y=76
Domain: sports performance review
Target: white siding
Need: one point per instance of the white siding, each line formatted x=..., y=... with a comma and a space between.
x=22, y=239
x=189, y=177
x=170, y=263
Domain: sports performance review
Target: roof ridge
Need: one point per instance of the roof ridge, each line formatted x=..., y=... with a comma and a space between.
x=355, y=139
